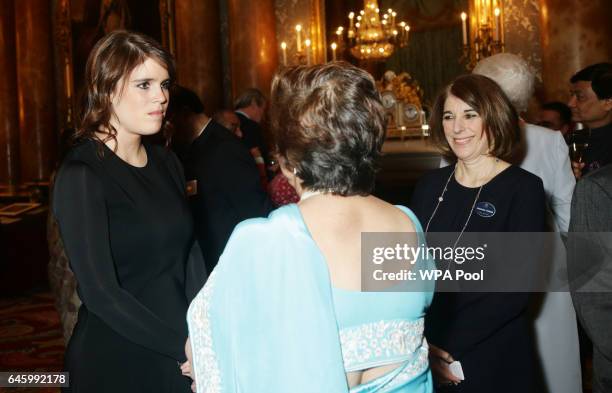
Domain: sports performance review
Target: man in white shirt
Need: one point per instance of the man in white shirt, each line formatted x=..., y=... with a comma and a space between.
x=546, y=153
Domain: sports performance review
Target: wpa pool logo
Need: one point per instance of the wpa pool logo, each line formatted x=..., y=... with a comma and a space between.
x=485, y=209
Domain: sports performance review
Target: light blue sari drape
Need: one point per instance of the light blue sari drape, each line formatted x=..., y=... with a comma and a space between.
x=265, y=320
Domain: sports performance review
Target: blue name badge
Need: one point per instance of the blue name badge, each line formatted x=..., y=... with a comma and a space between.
x=485, y=209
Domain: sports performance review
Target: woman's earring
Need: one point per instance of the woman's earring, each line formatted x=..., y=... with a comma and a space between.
x=295, y=179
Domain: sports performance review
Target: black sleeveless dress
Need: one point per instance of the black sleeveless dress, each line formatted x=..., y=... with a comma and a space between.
x=128, y=233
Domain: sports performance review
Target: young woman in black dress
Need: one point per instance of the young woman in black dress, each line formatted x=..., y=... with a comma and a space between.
x=475, y=124
x=126, y=226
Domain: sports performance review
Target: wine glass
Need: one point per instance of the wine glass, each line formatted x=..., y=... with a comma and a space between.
x=579, y=142
x=577, y=151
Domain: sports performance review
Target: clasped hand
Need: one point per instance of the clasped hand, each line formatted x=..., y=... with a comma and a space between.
x=439, y=361
x=186, y=369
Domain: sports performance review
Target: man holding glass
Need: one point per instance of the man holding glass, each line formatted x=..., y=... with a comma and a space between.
x=591, y=105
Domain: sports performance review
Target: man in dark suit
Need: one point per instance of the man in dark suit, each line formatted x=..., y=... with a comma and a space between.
x=590, y=268
x=229, y=119
x=250, y=107
x=591, y=104
x=225, y=184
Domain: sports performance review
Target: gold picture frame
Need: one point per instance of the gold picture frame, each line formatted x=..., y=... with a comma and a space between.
x=16, y=209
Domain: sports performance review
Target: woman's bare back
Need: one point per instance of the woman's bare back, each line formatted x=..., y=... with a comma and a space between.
x=335, y=224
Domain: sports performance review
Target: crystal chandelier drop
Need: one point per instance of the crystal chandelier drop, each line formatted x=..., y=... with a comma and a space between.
x=372, y=36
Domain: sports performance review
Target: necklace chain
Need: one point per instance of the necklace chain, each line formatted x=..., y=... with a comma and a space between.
x=309, y=194
x=441, y=198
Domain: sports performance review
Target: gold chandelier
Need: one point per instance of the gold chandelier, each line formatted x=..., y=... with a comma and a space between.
x=371, y=36
x=485, y=36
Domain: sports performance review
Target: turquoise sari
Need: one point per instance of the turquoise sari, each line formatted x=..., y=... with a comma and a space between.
x=265, y=320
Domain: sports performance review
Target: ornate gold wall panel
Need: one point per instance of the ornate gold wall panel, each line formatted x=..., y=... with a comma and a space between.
x=311, y=15
x=522, y=31
x=575, y=34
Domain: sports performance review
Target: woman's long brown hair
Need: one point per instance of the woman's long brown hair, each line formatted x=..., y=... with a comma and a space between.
x=113, y=57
